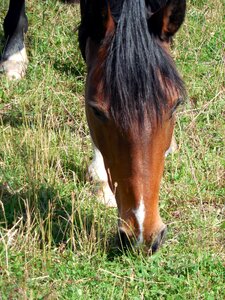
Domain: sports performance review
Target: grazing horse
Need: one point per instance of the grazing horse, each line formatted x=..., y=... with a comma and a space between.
x=132, y=91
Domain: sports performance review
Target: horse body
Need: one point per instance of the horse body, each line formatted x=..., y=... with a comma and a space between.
x=132, y=87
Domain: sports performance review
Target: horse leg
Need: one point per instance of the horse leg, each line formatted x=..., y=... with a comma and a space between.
x=14, y=58
x=173, y=146
x=97, y=174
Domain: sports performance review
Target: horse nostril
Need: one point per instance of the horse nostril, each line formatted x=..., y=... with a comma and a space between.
x=123, y=240
x=159, y=240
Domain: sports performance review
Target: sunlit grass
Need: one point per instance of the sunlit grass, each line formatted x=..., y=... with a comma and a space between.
x=56, y=241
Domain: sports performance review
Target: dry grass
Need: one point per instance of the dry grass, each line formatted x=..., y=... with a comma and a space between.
x=56, y=241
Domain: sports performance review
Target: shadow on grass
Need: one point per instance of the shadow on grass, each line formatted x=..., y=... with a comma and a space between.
x=42, y=206
x=67, y=68
x=14, y=119
x=65, y=222
x=2, y=44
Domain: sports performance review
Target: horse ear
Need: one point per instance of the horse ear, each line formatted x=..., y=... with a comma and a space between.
x=166, y=21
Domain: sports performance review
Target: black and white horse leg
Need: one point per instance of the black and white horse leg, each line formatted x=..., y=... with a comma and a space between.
x=14, y=58
x=98, y=175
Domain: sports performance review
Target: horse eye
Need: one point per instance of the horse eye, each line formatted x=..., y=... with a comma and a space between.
x=99, y=113
x=175, y=106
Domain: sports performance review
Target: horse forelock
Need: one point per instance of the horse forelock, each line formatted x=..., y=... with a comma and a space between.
x=138, y=72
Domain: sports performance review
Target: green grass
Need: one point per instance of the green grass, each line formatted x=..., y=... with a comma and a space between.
x=56, y=241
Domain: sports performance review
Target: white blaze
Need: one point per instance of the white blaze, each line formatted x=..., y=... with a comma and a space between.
x=140, y=217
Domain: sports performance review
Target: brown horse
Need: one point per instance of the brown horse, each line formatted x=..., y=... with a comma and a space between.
x=132, y=91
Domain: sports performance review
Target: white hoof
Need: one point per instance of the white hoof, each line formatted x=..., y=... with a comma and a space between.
x=15, y=66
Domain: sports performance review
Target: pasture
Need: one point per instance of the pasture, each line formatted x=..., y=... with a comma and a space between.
x=56, y=240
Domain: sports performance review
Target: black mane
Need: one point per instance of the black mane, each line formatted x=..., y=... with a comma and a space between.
x=138, y=73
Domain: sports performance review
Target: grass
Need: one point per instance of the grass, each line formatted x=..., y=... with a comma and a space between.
x=56, y=241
